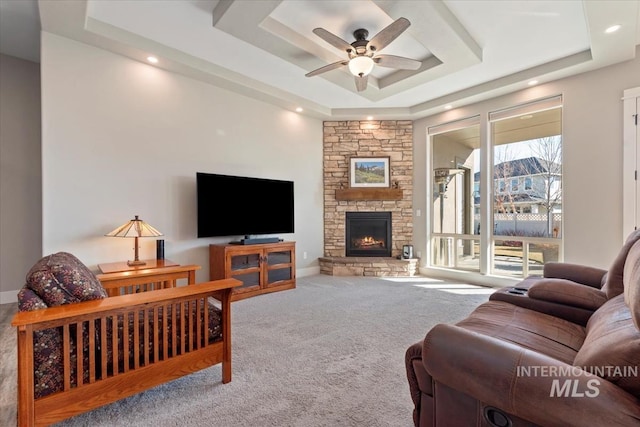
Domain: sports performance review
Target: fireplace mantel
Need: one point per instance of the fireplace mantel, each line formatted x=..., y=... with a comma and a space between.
x=369, y=194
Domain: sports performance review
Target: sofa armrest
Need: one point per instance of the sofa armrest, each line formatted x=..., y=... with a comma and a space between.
x=566, y=292
x=524, y=383
x=585, y=275
x=413, y=358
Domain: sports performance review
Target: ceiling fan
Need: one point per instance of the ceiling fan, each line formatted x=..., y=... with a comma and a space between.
x=362, y=53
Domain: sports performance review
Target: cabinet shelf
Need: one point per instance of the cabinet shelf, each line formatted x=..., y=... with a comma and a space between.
x=261, y=268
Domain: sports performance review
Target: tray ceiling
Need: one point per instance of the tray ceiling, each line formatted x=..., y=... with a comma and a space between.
x=470, y=50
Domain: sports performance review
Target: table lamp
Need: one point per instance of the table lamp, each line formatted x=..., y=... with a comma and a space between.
x=135, y=228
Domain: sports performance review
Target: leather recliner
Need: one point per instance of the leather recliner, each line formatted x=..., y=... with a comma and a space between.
x=512, y=365
x=570, y=291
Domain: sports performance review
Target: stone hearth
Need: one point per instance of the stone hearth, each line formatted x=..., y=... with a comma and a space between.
x=368, y=266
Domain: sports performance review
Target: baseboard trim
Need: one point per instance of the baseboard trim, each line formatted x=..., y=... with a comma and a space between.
x=8, y=297
x=309, y=271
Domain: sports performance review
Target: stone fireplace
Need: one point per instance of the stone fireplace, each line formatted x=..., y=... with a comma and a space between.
x=371, y=138
x=368, y=234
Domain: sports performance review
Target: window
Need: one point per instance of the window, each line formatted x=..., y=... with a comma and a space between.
x=456, y=195
x=515, y=170
x=527, y=145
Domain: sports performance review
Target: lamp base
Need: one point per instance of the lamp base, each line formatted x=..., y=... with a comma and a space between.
x=132, y=263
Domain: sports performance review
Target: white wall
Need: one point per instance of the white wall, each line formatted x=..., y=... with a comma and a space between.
x=123, y=138
x=20, y=177
x=592, y=163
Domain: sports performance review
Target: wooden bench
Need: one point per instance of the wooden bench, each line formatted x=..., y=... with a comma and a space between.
x=158, y=355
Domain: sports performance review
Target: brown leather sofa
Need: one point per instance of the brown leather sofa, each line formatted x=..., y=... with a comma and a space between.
x=570, y=291
x=529, y=363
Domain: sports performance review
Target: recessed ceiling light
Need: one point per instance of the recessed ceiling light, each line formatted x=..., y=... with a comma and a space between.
x=526, y=117
x=369, y=117
x=448, y=107
x=152, y=59
x=613, y=29
x=532, y=82
x=299, y=110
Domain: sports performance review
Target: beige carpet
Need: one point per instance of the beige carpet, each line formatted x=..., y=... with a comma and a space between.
x=329, y=353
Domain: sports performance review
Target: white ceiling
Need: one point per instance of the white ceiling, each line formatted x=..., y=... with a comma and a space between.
x=470, y=50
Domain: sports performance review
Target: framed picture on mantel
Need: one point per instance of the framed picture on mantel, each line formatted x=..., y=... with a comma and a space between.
x=369, y=172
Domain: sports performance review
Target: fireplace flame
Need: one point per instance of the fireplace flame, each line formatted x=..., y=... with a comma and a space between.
x=368, y=242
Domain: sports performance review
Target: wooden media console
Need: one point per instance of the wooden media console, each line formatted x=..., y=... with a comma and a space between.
x=261, y=268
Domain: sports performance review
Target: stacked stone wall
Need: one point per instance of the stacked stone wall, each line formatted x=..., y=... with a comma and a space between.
x=375, y=138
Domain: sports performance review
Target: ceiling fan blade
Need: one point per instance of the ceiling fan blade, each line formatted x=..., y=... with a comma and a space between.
x=388, y=34
x=361, y=82
x=392, y=61
x=326, y=68
x=332, y=39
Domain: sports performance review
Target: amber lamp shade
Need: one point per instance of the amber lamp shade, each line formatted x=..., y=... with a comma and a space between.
x=135, y=228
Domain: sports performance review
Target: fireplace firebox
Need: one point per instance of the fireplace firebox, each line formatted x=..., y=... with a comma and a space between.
x=368, y=234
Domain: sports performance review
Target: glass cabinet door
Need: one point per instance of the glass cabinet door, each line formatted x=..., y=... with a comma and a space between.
x=246, y=268
x=279, y=266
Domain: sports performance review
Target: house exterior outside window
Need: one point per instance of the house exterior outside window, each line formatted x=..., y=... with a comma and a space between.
x=527, y=183
x=542, y=191
x=499, y=210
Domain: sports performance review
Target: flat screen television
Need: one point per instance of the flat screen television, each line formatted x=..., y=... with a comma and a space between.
x=243, y=206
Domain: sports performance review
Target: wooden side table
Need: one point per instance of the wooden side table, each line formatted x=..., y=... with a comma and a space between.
x=137, y=280
x=113, y=267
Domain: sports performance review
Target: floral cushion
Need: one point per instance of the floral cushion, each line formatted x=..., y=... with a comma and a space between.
x=29, y=301
x=47, y=345
x=57, y=279
x=61, y=278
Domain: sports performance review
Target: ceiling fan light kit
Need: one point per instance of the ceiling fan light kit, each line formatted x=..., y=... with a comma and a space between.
x=361, y=66
x=361, y=52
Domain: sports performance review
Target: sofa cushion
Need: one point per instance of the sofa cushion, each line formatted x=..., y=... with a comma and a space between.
x=61, y=278
x=613, y=285
x=540, y=332
x=29, y=300
x=48, y=354
x=184, y=318
x=612, y=341
x=566, y=292
x=632, y=283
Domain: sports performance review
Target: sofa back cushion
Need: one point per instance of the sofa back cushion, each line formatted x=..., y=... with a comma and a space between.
x=61, y=278
x=613, y=284
x=612, y=341
x=54, y=280
x=631, y=282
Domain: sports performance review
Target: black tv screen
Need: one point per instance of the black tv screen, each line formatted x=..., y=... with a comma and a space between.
x=243, y=206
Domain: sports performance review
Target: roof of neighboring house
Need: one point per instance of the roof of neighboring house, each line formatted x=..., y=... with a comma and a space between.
x=522, y=167
x=515, y=198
